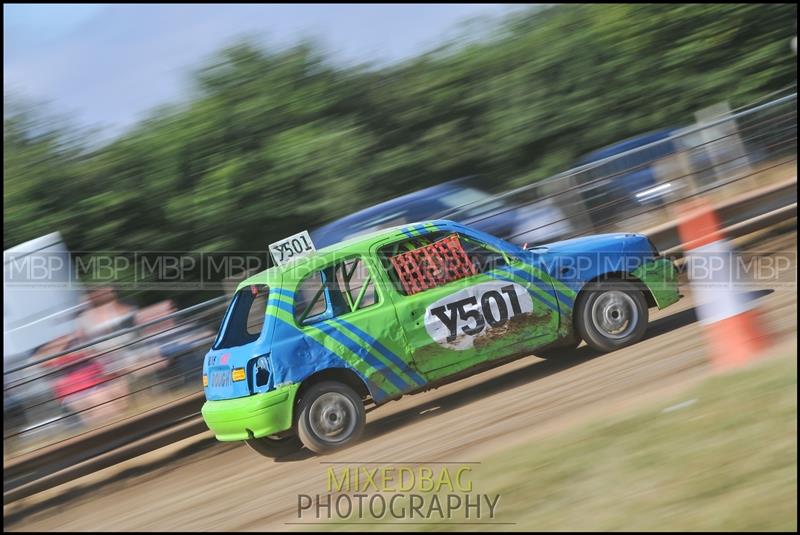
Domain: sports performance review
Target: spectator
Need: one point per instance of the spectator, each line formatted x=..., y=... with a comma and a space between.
x=82, y=386
x=176, y=351
x=106, y=315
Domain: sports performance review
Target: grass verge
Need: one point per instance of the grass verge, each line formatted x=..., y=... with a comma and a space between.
x=721, y=456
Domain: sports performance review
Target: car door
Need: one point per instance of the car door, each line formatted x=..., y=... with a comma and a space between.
x=494, y=310
x=344, y=304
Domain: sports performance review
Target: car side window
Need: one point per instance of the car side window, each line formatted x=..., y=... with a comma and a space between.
x=336, y=290
x=414, y=273
x=482, y=256
x=356, y=284
x=309, y=300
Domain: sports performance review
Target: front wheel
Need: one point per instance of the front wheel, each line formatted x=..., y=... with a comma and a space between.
x=331, y=416
x=611, y=314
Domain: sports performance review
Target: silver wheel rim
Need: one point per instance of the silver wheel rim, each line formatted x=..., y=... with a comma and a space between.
x=332, y=417
x=614, y=314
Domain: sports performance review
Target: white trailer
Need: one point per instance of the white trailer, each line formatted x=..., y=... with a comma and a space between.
x=41, y=295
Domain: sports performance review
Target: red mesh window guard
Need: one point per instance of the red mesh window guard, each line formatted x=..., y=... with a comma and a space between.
x=440, y=262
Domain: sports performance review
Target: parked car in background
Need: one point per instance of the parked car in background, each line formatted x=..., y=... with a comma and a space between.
x=628, y=182
x=459, y=200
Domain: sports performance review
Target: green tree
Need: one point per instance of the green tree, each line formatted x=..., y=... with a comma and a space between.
x=272, y=142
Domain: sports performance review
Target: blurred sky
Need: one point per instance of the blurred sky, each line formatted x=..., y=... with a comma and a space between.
x=106, y=64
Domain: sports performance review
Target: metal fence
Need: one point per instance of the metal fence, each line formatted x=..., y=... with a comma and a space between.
x=107, y=379
x=635, y=188
x=160, y=361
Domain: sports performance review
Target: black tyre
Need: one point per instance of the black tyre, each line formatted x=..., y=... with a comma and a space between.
x=275, y=447
x=611, y=314
x=331, y=416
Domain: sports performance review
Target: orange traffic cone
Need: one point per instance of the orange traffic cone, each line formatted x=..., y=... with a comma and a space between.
x=731, y=320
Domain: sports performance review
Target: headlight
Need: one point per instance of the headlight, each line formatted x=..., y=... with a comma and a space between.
x=261, y=363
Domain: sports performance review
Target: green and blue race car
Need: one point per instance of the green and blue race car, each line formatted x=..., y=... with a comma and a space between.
x=304, y=346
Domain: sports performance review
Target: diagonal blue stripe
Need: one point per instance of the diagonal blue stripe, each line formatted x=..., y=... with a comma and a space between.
x=420, y=228
x=376, y=391
x=382, y=349
x=550, y=305
x=567, y=300
x=564, y=298
x=283, y=292
x=283, y=305
x=358, y=350
x=362, y=353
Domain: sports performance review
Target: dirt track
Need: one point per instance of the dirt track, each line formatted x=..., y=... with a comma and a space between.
x=226, y=487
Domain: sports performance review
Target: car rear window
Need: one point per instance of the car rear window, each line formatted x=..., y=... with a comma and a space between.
x=244, y=320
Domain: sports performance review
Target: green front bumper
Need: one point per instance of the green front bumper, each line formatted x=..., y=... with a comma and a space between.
x=661, y=278
x=260, y=414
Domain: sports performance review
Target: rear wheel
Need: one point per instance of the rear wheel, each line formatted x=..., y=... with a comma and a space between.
x=275, y=447
x=331, y=416
x=611, y=314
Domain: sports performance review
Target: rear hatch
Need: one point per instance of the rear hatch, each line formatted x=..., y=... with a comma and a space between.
x=229, y=366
